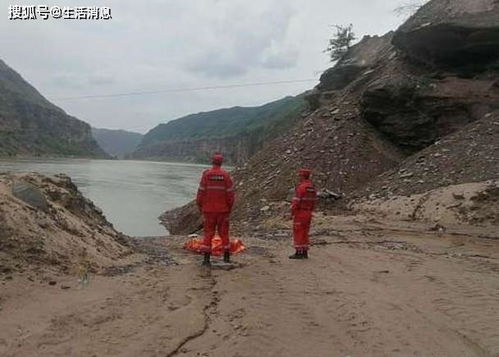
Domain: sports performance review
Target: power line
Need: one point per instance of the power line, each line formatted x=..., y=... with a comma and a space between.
x=178, y=90
x=155, y=122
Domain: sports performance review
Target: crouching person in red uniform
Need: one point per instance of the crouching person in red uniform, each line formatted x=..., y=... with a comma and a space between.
x=215, y=199
x=302, y=206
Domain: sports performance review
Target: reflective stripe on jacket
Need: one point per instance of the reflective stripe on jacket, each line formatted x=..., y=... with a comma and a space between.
x=305, y=197
x=215, y=192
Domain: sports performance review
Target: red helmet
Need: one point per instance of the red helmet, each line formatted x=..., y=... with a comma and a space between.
x=304, y=173
x=217, y=159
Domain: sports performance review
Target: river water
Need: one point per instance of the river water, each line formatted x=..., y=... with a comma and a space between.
x=132, y=194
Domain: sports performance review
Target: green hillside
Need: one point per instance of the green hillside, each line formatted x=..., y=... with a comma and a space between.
x=230, y=122
x=238, y=132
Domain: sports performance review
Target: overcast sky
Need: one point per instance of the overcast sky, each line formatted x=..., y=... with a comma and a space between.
x=155, y=45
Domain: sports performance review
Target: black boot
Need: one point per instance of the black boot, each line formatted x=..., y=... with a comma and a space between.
x=227, y=257
x=305, y=254
x=206, y=260
x=297, y=255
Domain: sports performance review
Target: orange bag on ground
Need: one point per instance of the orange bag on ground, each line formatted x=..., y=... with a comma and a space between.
x=194, y=245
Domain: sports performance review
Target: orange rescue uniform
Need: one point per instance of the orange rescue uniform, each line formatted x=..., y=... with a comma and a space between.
x=302, y=206
x=215, y=198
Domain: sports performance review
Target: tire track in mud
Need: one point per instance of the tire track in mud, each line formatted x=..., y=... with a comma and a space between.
x=463, y=296
x=285, y=309
x=367, y=318
x=289, y=320
x=407, y=266
x=466, y=293
x=475, y=307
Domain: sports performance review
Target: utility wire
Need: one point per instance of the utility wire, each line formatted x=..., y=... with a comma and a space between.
x=178, y=90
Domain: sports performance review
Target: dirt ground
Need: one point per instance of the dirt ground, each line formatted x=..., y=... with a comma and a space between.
x=369, y=289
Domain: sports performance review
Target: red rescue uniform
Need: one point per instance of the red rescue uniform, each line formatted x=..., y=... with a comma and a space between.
x=215, y=198
x=302, y=206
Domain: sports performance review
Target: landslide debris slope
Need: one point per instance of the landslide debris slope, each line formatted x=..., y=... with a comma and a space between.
x=468, y=155
x=45, y=222
x=391, y=102
x=454, y=181
x=32, y=126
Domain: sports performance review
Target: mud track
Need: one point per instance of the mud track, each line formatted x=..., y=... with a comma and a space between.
x=364, y=292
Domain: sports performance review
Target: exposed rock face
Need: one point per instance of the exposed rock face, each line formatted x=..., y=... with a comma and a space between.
x=32, y=126
x=356, y=61
x=458, y=33
x=414, y=111
x=415, y=105
x=469, y=155
x=46, y=222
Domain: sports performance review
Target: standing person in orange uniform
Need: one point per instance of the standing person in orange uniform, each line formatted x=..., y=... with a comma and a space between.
x=302, y=206
x=215, y=199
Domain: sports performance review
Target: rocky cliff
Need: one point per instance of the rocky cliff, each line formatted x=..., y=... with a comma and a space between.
x=458, y=35
x=32, y=126
x=236, y=149
x=238, y=132
x=404, y=113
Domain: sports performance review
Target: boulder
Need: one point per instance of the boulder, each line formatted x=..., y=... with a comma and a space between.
x=183, y=220
x=329, y=195
x=29, y=194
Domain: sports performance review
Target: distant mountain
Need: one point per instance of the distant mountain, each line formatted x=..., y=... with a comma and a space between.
x=237, y=132
x=32, y=126
x=118, y=143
